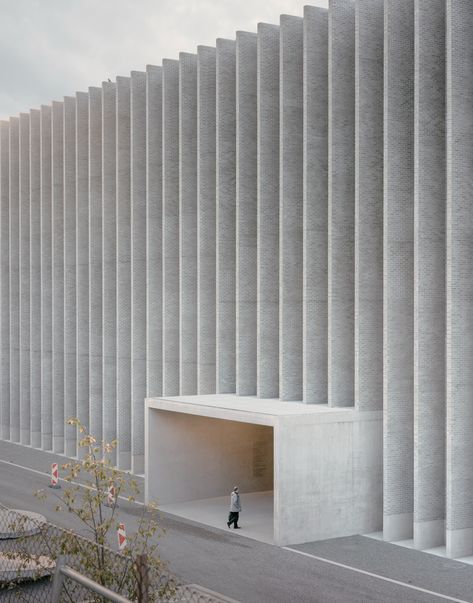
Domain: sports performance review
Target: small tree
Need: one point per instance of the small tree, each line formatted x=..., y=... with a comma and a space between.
x=87, y=502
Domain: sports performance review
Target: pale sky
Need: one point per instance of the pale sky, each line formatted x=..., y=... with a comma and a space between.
x=52, y=48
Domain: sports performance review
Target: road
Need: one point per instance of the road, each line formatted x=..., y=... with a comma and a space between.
x=344, y=570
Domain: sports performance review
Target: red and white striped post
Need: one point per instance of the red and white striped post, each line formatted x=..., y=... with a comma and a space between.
x=121, y=534
x=54, y=476
x=111, y=497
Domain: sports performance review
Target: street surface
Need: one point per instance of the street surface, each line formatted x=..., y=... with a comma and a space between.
x=344, y=570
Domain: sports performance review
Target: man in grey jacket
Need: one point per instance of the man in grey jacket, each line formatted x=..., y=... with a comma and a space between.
x=235, y=508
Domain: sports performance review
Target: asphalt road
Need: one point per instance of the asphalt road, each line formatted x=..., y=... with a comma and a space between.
x=345, y=570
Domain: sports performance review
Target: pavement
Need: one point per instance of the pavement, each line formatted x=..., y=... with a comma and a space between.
x=355, y=569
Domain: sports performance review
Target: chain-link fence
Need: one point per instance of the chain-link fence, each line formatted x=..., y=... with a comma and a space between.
x=30, y=548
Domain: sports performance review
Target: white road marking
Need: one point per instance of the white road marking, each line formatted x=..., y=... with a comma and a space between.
x=61, y=479
x=366, y=573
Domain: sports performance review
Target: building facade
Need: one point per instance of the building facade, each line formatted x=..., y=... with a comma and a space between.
x=286, y=216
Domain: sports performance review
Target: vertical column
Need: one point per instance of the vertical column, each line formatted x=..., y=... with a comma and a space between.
x=170, y=227
x=58, y=274
x=82, y=256
x=70, y=316
x=315, y=166
x=35, y=276
x=123, y=218
x=14, y=255
x=46, y=281
x=246, y=213
x=341, y=203
x=369, y=205
x=154, y=248
x=138, y=266
x=429, y=275
x=226, y=214
x=268, y=212
x=290, y=208
x=24, y=294
x=109, y=265
x=95, y=262
x=4, y=279
x=206, y=216
x=459, y=281
x=188, y=223
x=398, y=267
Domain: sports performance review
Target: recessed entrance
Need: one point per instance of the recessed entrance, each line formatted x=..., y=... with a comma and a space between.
x=197, y=460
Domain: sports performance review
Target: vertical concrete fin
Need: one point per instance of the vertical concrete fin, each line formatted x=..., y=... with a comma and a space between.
x=57, y=233
x=459, y=231
x=290, y=208
x=109, y=263
x=70, y=298
x=369, y=205
x=35, y=276
x=315, y=204
x=154, y=245
x=268, y=211
x=46, y=281
x=226, y=212
x=188, y=223
x=429, y=275
x=14, y=273
x=206, y=220
x=5, y=279
x=170, y=227
x=138, y=267
x=24, y=293
x=341, y=203
x=95, y=262
x=246, y=213
x=82, y=257
x=123, y=240
x=398, y=258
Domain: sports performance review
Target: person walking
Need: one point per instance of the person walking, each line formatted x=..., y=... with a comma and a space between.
x=235, y=509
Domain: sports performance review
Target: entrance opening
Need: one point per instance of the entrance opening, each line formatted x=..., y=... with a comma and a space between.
x=196, y=461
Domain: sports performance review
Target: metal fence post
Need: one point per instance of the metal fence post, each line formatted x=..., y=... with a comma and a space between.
x=58, y=580
x=142, y=577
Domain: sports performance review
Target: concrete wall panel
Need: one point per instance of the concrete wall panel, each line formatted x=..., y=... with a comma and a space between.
x=109, y=264
x=138, y=266
x=268, y=211
x=95, y=261
x=188, y=223
x=46, y=281
x=429, y=275
x=290, y=208
x=70, y=299
x=57, y=234
x=154, y=247
x=24, y=294
x=170, y=227
x=226, y=214
x=35, y=276
x=369, y=206
x=14, y=275
x=459, y=316
x=123, y=217
x=398, y=260
x=246, y=212
x=315, y=205
x=5, y=280
x=341, y=203
x=206, y=216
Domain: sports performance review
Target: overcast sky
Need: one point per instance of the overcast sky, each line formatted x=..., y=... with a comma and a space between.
x=52, y=48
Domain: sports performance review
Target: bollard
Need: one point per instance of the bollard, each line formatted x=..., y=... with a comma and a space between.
x=121, y=536
x=111, y=497
x=54, y=476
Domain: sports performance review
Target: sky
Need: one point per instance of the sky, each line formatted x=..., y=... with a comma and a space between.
x=53, y=48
